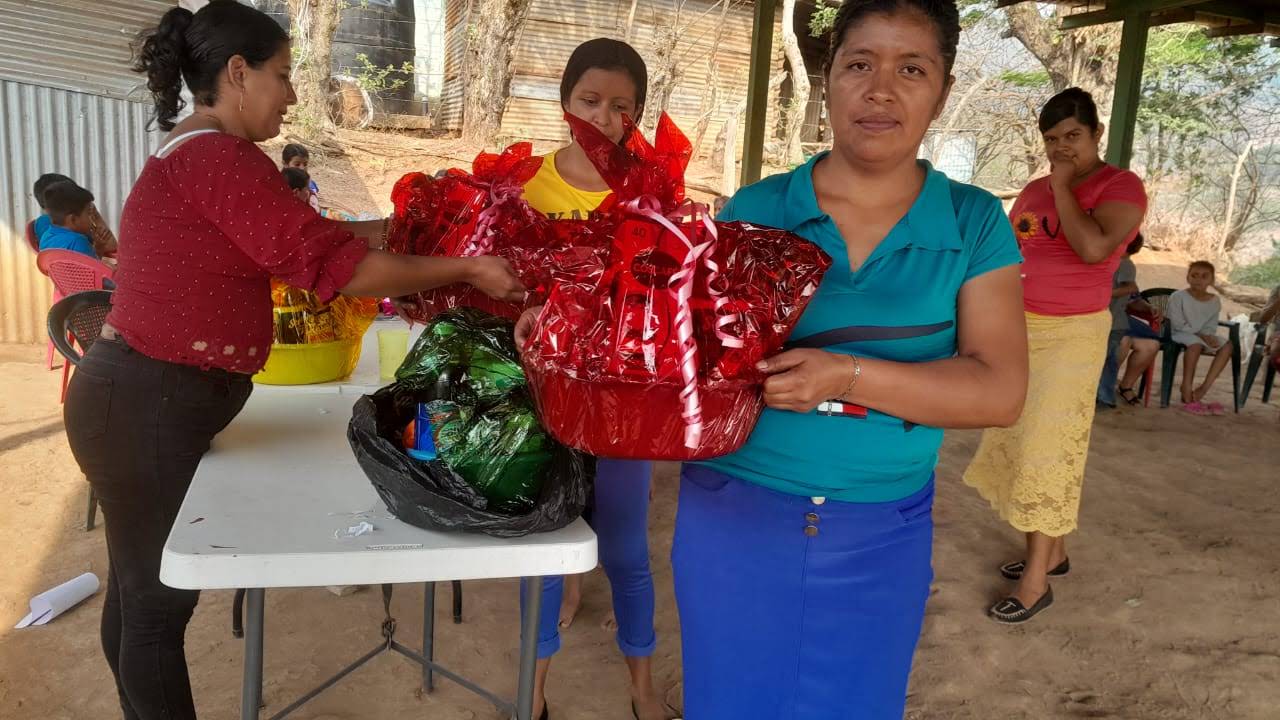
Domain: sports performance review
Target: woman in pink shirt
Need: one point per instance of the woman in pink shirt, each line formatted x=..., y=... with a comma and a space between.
x=1073, y=226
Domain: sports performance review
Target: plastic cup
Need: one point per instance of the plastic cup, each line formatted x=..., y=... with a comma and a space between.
x=393, y=346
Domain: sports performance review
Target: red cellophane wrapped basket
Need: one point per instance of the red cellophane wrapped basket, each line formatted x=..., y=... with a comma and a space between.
x=484, y=213
x=651, y=354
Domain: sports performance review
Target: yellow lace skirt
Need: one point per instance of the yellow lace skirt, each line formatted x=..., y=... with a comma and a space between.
x=1032, y=473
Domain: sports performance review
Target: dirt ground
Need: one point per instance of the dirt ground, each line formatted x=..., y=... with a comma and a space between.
x=1169, y=613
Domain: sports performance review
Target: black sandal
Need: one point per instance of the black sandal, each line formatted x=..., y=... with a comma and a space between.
x=1129, y=395
x=1011, y=611
x=1014, y=570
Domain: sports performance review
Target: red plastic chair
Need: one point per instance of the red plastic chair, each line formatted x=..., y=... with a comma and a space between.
x=32, y=240
x=71, y=273
x=34, y=243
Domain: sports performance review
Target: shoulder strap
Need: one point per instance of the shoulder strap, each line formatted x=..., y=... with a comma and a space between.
x=175, y=142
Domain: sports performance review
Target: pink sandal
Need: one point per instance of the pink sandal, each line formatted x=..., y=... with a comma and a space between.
x=1197, y=408
x=1217, y=409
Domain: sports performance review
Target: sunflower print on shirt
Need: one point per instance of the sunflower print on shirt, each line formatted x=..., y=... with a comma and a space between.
x=1025, y=226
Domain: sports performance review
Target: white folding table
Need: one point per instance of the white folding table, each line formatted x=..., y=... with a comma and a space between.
x=366, y=377
x=267, y=508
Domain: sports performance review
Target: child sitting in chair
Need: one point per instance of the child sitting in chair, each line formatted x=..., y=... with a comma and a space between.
x=299, y=157
x=1193, y=321
x=71, y=216
x=300, y=183
x=103, y=240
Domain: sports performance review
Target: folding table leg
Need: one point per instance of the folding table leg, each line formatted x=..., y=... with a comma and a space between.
x=428, y=634
x=528, y=647
x=251, y=687
x=457, y=602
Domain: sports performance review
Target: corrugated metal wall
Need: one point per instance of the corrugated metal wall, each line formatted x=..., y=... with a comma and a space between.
x=80, y=45
x=69, y=104
x=100, y=142
x=555, y=27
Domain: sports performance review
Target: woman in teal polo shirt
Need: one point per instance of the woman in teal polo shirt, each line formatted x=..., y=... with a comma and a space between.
x=802, y=561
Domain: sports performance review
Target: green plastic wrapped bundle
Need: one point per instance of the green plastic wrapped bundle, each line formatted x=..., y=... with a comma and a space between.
x=465, y=367
x=478, y=351
x=502, y=452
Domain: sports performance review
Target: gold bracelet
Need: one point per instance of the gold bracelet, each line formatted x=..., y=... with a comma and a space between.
x=857, y=373
x=385, y=221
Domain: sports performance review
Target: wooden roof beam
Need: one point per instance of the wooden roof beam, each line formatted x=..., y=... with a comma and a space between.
x=1115, y=12
x=1237, y=30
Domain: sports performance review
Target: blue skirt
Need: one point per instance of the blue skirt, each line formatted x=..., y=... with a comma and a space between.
x=792, y=609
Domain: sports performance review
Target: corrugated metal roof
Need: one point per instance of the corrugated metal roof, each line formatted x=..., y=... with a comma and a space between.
x=80, y=45
x=99, y=142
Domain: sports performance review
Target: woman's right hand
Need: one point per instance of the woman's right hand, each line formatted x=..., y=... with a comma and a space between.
x=525, y=325
x=494, y=277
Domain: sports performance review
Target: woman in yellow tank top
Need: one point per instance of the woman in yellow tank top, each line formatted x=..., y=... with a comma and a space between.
x=603, y=80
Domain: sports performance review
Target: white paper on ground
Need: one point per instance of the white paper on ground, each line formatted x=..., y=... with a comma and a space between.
x=52, y=603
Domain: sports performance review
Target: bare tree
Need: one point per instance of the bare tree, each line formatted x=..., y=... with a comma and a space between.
x=1081, y=58
x=710, y=101
x=491, y=39
x=799, y=104
x=314, y=23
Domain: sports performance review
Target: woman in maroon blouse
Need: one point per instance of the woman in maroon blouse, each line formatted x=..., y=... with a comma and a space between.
x=208, y=223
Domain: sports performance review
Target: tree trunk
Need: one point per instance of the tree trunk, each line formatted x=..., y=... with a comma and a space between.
x=491, y=40
x=314, y=23
x=796, y=109
x=1082, y=58
x=664, y=72
x=711, y=90
x=1230, y=230
x=728, y=148
x=631, y=22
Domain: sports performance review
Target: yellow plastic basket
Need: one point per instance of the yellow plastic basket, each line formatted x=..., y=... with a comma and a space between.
x=309, y=364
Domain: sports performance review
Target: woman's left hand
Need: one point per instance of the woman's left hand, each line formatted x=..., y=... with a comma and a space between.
x=801, y=380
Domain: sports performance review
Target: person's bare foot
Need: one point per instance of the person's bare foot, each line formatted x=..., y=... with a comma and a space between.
x=610, y=623
x=1029, y=595
x=570, y=603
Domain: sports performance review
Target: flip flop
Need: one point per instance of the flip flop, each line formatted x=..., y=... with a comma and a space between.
x=1011, y=611
x=1196, y=408
x=1013, y=570
x=1216, y=409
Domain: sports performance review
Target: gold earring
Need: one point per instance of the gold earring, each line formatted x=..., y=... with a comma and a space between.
x=241, y=101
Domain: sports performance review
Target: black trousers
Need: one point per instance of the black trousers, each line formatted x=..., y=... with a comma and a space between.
x=138, y=428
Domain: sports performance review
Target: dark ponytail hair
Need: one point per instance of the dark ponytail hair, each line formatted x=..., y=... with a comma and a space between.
x=605, y=54
x=194, y=48
x=1070, y=103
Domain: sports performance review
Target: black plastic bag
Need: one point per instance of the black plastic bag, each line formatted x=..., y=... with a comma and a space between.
x=492, y=422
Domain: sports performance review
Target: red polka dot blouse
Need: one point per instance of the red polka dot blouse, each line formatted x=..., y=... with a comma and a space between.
x=204, y=230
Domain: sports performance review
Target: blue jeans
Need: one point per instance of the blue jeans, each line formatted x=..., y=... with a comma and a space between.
x=795, y=610
x=619, y=514
x=1111, y=369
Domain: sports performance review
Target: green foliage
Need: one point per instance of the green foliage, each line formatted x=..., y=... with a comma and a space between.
x=822, y=20
x=1191, y=84
x=973, y=12
x=1026, y=79
x=1264, y=274
x=375, y=79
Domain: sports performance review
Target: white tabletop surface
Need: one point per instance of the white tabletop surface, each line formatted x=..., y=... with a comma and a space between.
x=281, y=480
